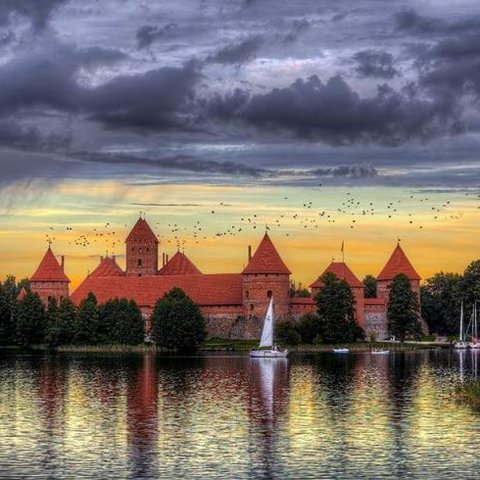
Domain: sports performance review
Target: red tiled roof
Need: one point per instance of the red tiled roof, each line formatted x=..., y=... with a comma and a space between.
x=266, y=259
x=398, y=263
x=179, y=264
x=108, y=267
x=215, y=289
x=342, y=271
x=142, y=231
x=49, y=270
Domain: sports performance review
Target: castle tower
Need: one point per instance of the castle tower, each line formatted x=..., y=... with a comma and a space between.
x=265, y=276
x=49, y=280
x=142, y=250
x=342, y=271
x=397, y=263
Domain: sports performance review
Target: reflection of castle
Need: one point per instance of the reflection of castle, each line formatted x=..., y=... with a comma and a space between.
x=232, y=303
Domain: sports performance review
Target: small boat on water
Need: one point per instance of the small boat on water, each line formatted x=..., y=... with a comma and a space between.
x=379, y=351
x=341, y=350
x=267, y=347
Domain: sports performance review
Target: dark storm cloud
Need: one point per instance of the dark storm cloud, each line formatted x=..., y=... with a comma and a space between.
x=238, y=53
x=176, y=162
x=157, y=99
x=21, y=137
x=37, y=11
x=362, y=170
x=409, y=20
x=6, y=38
x=374, y=63
x=46, y=76
x=149, y=34
x=333, y=113
x=451, y=67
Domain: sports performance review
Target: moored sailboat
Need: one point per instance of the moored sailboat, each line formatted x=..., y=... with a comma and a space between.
x=461, y=344
x=267, y=347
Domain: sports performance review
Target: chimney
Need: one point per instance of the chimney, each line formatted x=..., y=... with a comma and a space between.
x=166, y=258
x=249, y=252
x=114, y=258
x=62, y=264
x=163, y=259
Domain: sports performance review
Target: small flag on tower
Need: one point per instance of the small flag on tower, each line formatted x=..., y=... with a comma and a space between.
x=343, y=245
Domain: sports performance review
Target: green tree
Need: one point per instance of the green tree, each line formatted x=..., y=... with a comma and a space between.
x=86, y=322
x=336, y=310
x=121, y=321
x=297, y=290
x=440, y=299
x=30, y=321
x=370, y=286
x=8, y=296
x=403, y=309
x=471, y=284
x=61, y=324
x=287, y=334
x=177, y=322
x=309, y=327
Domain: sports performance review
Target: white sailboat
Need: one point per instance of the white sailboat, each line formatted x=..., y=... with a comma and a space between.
x=267, y=347
x=461, y=344
x=475, y=343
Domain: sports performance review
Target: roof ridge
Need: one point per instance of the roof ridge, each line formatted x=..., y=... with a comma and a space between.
x=49, y=269
x=266, y=259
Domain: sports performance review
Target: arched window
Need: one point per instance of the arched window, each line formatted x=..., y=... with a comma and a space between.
x=251, y=306
x=139, y=262
x=269, y=294
x=247, y=294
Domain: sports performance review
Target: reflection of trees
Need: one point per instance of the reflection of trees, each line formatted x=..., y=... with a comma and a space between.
x=142, y=428
x=267, y=404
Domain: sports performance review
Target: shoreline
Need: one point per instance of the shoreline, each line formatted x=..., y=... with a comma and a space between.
x=219, y=345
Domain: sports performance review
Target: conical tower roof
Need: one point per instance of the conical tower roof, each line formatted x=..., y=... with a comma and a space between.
x=266, y=259
x=108, y=267
x=49, y=270
x=142, y=231
x=398, y=263
x=179, y=264
x=342, y=271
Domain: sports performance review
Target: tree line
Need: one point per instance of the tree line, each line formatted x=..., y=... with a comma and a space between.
x=176, y=321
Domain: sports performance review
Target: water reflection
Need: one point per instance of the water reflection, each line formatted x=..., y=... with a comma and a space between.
x=228, y=416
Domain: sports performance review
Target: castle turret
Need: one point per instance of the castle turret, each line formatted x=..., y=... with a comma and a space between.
x=49, y=280
x=179, y=264
x=397, y=263
x=342, y=271
x=142, y=250
x=266, y=275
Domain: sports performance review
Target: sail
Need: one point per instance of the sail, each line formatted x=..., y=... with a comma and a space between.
x=267, y=332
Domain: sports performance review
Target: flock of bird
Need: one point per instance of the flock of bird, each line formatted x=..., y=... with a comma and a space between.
x=350, y=213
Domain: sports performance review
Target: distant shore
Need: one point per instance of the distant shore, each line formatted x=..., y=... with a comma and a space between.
x=226, y=345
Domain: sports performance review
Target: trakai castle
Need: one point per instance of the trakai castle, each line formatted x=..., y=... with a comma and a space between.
x=232, y=303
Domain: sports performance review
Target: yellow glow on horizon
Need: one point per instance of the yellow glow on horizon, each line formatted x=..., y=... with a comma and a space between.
x=307, y=225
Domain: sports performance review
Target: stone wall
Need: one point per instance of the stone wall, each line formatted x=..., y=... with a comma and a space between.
x=234, y=326
x=376, y=322
x=47, y=290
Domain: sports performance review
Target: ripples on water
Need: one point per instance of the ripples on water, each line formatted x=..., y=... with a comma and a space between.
x=321, y=416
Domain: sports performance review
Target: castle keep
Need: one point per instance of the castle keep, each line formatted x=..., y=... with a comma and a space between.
x=232, y=303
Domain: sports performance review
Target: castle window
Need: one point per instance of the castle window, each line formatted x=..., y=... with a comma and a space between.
x=251, y=306
x=148, y=249
x=139, y=274
x=139, y=262
x=269, y=294
x=247, y=294
x=140, y=250
x=133, y=249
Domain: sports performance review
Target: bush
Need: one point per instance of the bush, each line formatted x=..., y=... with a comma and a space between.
x=86, y=322
x=177, y=322
x=120, y=321
x=287, y=334
x=61, y=323
x=31, y=318
x=308, y=327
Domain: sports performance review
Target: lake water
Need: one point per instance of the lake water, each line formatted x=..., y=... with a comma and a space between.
x=226, y=416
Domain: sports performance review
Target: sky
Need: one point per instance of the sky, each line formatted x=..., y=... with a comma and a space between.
x=320, y=122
